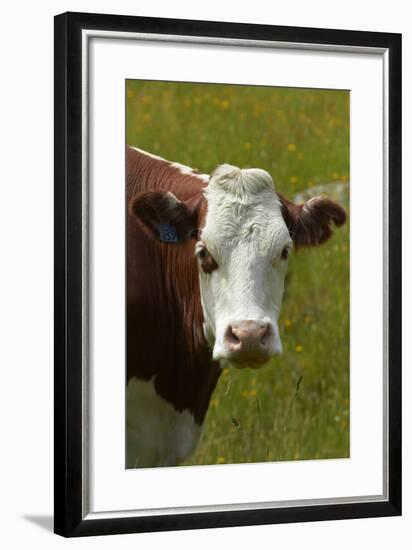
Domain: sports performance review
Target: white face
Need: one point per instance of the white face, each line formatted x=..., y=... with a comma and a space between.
x=242, y=254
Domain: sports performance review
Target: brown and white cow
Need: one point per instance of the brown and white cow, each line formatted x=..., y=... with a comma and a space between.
x=206, y=263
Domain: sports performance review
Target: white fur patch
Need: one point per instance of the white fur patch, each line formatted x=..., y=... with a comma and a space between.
x=242, y=183
x=156, y=433
x=245, y=233
x=183, y=169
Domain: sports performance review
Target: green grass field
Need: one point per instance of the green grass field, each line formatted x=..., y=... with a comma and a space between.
x=298, y=406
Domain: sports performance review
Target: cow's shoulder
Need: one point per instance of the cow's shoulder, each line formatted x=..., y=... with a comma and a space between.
x=146, y=171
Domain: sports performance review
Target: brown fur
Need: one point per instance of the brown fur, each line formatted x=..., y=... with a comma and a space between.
x=310, y=223
x=152, y=208
x=165, y=336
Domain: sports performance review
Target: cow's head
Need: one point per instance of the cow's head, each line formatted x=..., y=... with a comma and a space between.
x=244, y=234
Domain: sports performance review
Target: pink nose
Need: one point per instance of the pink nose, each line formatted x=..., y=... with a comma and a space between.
x=248, y=341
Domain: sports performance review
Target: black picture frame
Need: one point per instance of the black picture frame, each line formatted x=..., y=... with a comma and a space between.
x=69, y=518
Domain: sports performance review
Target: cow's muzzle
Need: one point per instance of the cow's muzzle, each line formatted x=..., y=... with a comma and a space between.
x=250, y=342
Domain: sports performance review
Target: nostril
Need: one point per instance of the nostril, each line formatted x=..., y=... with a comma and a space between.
x=265, y=335
x=231, y=337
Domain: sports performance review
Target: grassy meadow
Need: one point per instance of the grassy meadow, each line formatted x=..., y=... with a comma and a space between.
x=298, y=406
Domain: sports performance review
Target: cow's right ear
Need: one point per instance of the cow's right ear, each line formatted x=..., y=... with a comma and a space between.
x=164, y=217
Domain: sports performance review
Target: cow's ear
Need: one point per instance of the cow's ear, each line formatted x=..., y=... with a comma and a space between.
x=311, y=223
x=164, y=217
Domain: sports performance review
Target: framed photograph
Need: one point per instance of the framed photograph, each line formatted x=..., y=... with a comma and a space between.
x=227, y=274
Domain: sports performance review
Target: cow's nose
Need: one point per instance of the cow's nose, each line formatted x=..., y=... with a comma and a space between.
x=248, y=341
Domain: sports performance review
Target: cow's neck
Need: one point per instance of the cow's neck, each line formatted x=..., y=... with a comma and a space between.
x=170, y=335
x=171, y=375
x=190, y=376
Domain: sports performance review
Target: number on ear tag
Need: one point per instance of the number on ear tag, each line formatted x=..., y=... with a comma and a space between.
x=167, y=233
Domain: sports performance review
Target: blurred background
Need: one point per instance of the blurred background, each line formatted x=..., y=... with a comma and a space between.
x=298, y=406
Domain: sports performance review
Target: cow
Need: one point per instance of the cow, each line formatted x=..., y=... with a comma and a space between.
x=206, y=263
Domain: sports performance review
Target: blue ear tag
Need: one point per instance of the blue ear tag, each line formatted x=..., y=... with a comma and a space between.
x=167, y=233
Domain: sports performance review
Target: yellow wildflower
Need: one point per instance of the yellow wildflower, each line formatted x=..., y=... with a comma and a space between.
x=221, y=460
x=288, y=323
x=291, y=147
x=299, y=348
x=224, y=104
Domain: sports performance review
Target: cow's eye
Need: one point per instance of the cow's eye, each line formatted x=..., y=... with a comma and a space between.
x=285, y=253
x=206, y=261
x=203, y=253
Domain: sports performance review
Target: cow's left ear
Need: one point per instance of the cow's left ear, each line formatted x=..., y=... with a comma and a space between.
x=311, y=223
x=164, y=217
